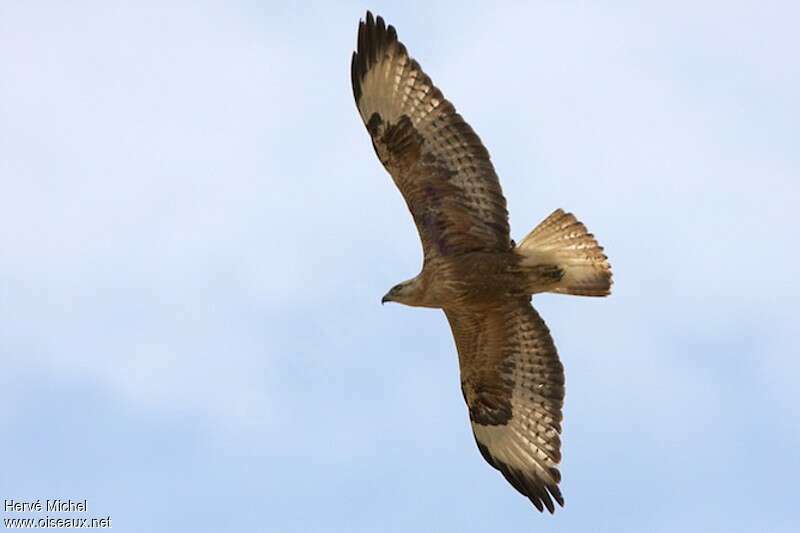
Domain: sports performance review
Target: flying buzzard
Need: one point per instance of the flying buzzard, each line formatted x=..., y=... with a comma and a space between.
x=511, y=377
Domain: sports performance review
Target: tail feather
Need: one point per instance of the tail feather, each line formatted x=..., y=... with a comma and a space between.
x=561, y=240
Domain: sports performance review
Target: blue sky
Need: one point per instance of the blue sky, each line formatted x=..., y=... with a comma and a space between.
x=196, y=234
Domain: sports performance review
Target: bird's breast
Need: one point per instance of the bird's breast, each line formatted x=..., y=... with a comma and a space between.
x=472, y=280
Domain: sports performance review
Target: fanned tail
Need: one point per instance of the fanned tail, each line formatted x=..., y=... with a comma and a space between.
x=563, y=257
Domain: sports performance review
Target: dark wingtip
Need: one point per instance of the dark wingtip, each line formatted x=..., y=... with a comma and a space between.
x=374, y=36
x=556, y=492
x=354, y=77
x=539, y=496
x=537, y=503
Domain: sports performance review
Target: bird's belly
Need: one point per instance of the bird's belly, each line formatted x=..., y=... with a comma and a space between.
x=475, y=280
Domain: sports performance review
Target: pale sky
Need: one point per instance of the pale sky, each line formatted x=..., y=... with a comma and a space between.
x=195, y=235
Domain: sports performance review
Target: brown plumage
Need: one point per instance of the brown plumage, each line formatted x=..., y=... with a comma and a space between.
x=511, y=377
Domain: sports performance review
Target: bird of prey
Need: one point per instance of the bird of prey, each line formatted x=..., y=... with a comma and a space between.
x=511, y=377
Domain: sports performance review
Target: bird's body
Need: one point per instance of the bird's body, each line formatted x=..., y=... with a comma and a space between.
x=473, y=280
x=511, y=377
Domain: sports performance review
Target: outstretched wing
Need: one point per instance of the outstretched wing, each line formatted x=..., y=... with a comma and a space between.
x=513, y=384
x=434, y=157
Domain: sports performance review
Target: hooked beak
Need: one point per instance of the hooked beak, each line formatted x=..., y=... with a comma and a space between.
x=385, y=299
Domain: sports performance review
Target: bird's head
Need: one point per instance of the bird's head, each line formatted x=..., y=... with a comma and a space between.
x=403, y=293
